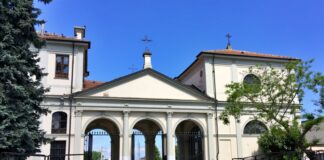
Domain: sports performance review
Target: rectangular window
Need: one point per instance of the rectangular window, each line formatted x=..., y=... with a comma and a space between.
x=62, y=66
x=58, y=150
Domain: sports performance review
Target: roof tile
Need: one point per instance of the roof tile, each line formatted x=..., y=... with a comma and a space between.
x=87, y=84
x=53, y=36
x=246, y=54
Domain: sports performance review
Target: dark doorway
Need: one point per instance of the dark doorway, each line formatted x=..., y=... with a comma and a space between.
x=189, y=138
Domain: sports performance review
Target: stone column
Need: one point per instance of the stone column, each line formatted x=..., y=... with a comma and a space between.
x=115, y=146
x=77, y=133
x=238, y=138
x=170, y=140
x=150, y=146
x=126, y=155
x=210, y=134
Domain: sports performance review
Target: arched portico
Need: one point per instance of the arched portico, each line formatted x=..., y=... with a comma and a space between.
x=155, y=120
x=112, y=131
x=150, y=129
x=190, y=140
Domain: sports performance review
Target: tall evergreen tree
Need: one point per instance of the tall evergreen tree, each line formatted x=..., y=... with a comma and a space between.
x=322, y=97
x=20, y=89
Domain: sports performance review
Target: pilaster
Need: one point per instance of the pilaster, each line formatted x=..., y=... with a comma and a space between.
x=170, y=142
x=126, y=154
x=77, y=132
x=210, y=133
x=238, y=138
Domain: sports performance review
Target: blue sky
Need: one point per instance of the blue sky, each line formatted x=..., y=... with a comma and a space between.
x=181, y=29
x=102, y=143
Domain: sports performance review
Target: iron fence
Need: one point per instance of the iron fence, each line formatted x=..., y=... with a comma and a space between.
x=311, y=155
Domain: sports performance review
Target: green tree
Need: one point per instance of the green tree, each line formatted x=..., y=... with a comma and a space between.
x=322, y=98
x=95, y=155
x=275, y=98
x=20, y=89
x=157, y=155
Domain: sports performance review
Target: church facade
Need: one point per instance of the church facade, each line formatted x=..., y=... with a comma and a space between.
x=183, y=111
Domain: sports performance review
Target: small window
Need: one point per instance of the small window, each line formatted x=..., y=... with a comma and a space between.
x=62, y=66
x=252, y=83
x=59, y=120
x=255, y=127
x=57, y=150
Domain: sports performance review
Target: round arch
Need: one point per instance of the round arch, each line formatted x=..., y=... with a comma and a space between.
x=196, y=121
x=88, y=122
x=190, y=136
x=248, y=75
x=112, y=129
x=251, y=120
x=155, y=120
x=59, y=122
x=59, y=111
x=149, y=131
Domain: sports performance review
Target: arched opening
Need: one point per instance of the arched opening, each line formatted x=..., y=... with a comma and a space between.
x=189, y=140
x=147, y=141
x=102, y=138
x=252, y=83
x=59, y=121
x=255, y=127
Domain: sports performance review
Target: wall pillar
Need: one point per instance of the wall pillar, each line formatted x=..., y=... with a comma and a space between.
x=170, y=141
x=77, y=133
x=126, y=155
x=238, y=138
x=210, y=134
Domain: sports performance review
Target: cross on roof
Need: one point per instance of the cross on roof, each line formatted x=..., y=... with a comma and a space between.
x=228, y=36
x=132, y=68
x=146, y=41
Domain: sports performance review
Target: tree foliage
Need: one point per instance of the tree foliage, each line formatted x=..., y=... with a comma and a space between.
x=95, y=155
x=276, y=99
x=20, y=89
x=157, y=155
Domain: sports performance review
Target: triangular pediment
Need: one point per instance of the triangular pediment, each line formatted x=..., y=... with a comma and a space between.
x=145, y=84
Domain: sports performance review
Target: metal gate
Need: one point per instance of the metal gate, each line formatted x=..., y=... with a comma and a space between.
x=138, y=133
x=88, y=143
x=189, y=146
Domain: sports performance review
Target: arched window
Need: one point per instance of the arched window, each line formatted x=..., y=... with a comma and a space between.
x=59, y=120
x=255, y=127
x=251, y=79
x=252, y=83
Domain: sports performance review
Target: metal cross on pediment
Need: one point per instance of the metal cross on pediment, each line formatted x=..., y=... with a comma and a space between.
x=228, y=36
x=132, y=68
x=146, y=41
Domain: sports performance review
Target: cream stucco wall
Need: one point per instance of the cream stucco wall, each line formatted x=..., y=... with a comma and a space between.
x=47, y=55
x=146, y=87
x=196, y=77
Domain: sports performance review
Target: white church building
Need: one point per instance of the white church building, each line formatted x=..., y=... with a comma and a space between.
x=182, y=110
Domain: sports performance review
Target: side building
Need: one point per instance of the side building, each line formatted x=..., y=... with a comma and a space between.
x=182, y=111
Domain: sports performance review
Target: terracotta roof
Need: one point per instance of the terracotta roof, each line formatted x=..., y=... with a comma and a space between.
x=57, y=37
x=246, y=54
x=237, y=53
x=87, y=84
